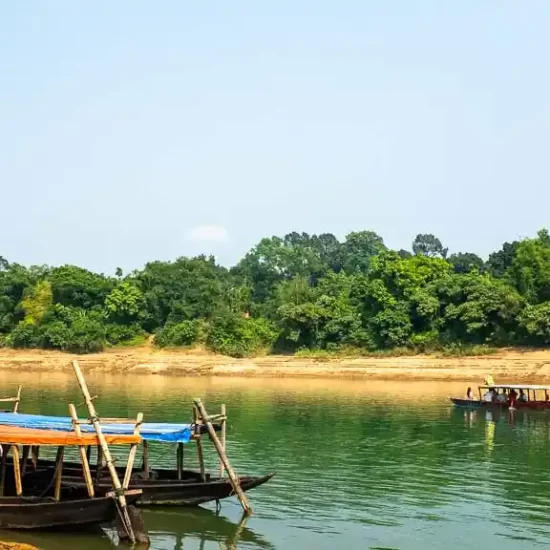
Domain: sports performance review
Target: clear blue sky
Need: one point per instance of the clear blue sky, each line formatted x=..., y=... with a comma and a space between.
x=127, y=126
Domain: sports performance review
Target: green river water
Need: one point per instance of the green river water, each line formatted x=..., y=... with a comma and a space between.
x=359, y=465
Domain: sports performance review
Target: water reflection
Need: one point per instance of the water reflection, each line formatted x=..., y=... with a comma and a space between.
x=174, y=527
x=359, y=464
x=171, y=529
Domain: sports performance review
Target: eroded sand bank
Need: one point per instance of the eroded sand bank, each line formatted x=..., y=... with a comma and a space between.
x=506, y=365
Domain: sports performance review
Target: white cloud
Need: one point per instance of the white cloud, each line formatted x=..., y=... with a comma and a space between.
x=208, y=233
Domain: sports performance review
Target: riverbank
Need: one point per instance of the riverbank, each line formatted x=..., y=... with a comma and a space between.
x=505, y=365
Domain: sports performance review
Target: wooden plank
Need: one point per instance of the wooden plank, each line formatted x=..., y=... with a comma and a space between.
x=223, y=436
x=26, y=451
x=230, y=473
x=17, y=471
x=145, y=460
x=200, y=452
x=82, y=452
x=105, y=448
x=132, y=455
x=18, y=399
x=5, y=451
x=58, y=472
x=179, y=461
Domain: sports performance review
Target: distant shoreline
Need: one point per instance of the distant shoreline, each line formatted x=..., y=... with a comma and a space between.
x=503, y=365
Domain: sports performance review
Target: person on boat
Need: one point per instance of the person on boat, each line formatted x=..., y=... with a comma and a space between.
x=512, y=398
x=522, y=397
x=469, y=394
x=501, y=397
x=489, y=395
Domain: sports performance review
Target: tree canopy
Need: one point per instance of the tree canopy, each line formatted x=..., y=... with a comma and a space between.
x=290, y=293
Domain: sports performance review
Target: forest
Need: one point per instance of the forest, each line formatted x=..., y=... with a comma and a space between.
x=297, y=294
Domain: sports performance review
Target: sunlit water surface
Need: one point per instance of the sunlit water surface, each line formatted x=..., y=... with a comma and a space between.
x=360, y=465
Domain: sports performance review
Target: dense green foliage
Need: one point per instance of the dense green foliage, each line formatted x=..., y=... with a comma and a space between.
x=300, y=292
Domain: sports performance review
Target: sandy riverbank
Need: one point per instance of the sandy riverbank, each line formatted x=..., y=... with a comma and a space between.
x=504, y=365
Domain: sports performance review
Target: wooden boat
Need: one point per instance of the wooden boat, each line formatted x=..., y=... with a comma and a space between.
x=528, y=397
x=180, y=487
x=160, y=490
x=46, y=512
x=23, y=511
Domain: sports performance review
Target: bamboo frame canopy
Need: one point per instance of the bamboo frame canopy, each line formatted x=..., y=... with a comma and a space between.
x=14, y=435
x=515, y=387
x=161, y=431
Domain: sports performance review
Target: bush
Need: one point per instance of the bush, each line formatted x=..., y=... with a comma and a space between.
x=425, y=341
x=236, y=336
x=25, y=335
x=88, y=336
x=124, y=334
x=56, y=335
x=185, y=333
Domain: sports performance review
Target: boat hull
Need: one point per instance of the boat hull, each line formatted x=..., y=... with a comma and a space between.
x=164, y=490
x=519, y=405
x=35, y=513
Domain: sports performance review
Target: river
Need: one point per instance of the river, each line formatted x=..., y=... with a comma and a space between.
x=360, y=465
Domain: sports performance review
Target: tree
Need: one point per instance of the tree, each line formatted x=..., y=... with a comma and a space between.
x=74, y=286
x=478, y=309
x=530, y=268
x=14, y=281
x=188, y=288
x=534, y=320
x=274, y=260
x=466, y=262
x=37, y=302
x=125, y=303
x=297, y=292
x=429, y=245
x=320, y=317
x=358, y=250
x=499, y=262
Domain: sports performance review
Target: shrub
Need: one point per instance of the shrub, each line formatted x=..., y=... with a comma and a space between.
x=88, y=336
x=185, y=333
x=124, y=334
x=56, y=335
x=236, y=336
x=25, y=335
x=425, y=341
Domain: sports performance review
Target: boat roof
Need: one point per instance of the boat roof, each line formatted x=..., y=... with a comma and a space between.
x=516, y=387
x=14, y=435
x=162, y=431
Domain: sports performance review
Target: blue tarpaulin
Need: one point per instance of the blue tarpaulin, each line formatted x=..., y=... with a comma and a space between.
x=160, y=431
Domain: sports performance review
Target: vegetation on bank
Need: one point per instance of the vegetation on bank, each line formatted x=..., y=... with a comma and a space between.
x=311, y=295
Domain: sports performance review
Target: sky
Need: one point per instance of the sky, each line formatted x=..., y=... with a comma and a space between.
x=133, y=131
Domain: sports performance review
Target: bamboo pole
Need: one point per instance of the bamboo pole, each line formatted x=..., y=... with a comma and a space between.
x=223, y=457
x=58, y=472
x=82, y=451
x=223, y=429
x=112, y=470
x=200, y=451
x=18, y=399
x=99, y=464
x=146, y=460
x=26, y=451
x=5, y=451
x=132, y=455
x=35, y=451
x=17, y=471
x=180, y=461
